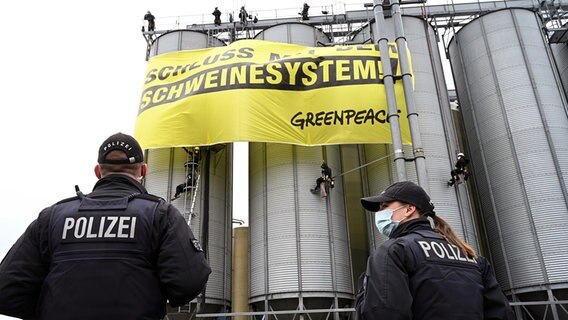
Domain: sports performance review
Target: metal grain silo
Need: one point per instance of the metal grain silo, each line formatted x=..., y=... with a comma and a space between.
x=167, y=170
x=296, y=33
x=179, y=40
x=517, y=130
x=437, y=131
x=299, y=242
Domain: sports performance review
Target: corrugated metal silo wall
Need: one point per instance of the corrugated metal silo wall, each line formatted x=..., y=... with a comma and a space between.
x=220, y=236
x=299, y=242
x=436, y=128
x=183, y=40
x=517, y=130
x=166, y=171
x=296, y=33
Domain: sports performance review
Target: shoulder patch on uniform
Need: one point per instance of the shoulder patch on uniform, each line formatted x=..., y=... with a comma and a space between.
x=442, y=251
x=197, y=245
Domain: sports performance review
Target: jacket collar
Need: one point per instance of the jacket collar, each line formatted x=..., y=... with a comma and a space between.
x=116, y=185
x=410, y=226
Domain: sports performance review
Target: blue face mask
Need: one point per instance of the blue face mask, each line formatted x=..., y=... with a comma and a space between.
x=384, y=223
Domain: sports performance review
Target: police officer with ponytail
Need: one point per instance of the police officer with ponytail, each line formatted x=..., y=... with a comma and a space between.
x=424, y=273
x=115, y=253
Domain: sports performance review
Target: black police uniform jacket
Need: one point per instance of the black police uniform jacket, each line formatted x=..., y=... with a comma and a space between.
x=117, y=253
x=418, y=275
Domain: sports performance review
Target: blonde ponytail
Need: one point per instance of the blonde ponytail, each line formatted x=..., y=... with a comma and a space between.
x=443, y=228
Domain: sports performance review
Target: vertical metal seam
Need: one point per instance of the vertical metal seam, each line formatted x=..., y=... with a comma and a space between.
x=330, y=235
x=545, y=123
x=495, y=213
x=515, y=153
x=365, y=188
x=452, y=145
x=346, y=222
x=249, y=246
x=297, y=227
x=227, y=286
x=482, y=154
x=265, y=221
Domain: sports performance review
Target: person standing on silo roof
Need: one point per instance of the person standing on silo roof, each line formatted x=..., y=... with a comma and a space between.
x=150, y=18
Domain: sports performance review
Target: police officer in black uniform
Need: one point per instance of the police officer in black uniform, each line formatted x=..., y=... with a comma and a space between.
x=116, y=253
x=421, y=273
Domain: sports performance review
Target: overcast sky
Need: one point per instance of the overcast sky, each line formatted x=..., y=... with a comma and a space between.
x=72, y=73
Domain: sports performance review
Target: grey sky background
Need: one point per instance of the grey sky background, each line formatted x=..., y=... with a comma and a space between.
x=72, y=73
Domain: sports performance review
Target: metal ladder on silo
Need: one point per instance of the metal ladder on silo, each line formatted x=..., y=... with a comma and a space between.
x=193, y=196
x=194, y=187
x=210, y=36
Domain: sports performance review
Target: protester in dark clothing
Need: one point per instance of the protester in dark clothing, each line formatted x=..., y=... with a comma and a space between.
x=325, y=170
x=460, y=173
x=217, y=14
x=191, y=172
x=115, y=253
x=150, y=18
x=304, y=12
x=424, y=273
x=243, y=15
x=324, y=180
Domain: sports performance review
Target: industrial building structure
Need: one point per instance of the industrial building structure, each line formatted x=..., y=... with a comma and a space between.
x=509, y=61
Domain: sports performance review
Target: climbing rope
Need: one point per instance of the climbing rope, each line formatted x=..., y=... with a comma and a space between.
x=364, y=165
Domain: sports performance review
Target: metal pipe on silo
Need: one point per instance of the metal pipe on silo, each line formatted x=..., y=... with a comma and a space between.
x=436, y=129
x=240, y=271
x=205, y=223
x=412, y=115
x=388, y=82
x=331, y=236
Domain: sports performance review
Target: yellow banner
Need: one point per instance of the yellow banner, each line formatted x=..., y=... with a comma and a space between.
x=263, y=91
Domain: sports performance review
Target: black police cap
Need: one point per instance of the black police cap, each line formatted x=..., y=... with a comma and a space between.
x=124, y=143
x=404, y=191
